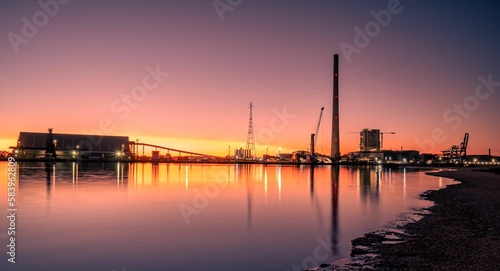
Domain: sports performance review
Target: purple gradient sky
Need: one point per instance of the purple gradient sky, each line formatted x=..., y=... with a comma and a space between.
x=277, y=54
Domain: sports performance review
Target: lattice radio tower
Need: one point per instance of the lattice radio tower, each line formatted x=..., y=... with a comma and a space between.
x=250, y=140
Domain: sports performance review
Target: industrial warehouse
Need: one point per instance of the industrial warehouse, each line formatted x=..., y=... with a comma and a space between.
x=53, y=146
x=50, y=145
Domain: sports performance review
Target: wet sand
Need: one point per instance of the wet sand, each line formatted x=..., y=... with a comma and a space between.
x=462, y=231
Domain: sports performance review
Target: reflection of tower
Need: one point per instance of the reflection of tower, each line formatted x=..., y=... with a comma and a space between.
x=250, y=140
x=317, y=202
x=335, y=207
x=335, y=153
x=369, y=182
x=311, y=180
x=249, y=197
x=50, y=174
x=155, y=172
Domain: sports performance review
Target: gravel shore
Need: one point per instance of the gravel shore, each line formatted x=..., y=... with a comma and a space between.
x=461, y=231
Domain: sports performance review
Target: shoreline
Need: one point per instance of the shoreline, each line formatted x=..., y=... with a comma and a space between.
x=461, y=231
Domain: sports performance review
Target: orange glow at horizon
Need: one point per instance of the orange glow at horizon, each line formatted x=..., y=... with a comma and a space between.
x=222, y=147
x=212, y=147
x=89, y=73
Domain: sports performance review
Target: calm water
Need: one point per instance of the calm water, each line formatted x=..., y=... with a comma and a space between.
x=199, y=217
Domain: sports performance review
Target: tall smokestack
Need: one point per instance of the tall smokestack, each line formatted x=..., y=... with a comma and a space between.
x=335, y=110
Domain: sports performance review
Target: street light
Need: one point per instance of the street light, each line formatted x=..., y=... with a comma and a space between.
x=119, y=155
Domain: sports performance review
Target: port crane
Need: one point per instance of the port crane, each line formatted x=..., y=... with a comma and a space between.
x=457, y=153
x=314, y=137
x=382, y=138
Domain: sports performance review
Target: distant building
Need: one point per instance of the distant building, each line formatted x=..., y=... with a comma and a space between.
x=242, y=153
x=285, y=156
x=301, y=156
x=365, y=157
x=369, y=140
x=403, y=156
x=384, y=157
x=73, y=146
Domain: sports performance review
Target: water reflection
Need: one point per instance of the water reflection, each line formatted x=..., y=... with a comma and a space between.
x=187, y=177
x=64, y=172
x=250, y=181
x=74, y=173
x=369, y=183
x=311, y=181
x=278, y=177
x=155, y=171
x=50, y=175
x=262, y=217
x=335, y=205
x=265, y=184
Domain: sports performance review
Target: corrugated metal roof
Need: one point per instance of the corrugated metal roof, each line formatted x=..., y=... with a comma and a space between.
x=71, y=141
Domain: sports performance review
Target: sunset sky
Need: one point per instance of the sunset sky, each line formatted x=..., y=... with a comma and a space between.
x=190, y=69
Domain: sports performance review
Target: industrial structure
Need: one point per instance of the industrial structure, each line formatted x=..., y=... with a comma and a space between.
x=314, y=137
x=457, y=153
x=369, y=140
x=335, y=147
x=170, y=155
x=49, y=145
x=382, y=138
x=250, y=137
x=50, y=149
x=371, y=150
x=372, y=139
x=249, y=152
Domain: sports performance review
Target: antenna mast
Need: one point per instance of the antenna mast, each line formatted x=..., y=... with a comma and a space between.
x=250, y=139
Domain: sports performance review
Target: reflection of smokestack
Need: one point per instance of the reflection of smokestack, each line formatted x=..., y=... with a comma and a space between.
x=335, y=110
x=335, y=208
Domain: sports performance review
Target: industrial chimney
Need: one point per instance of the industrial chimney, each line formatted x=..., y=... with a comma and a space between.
x=335, y=153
